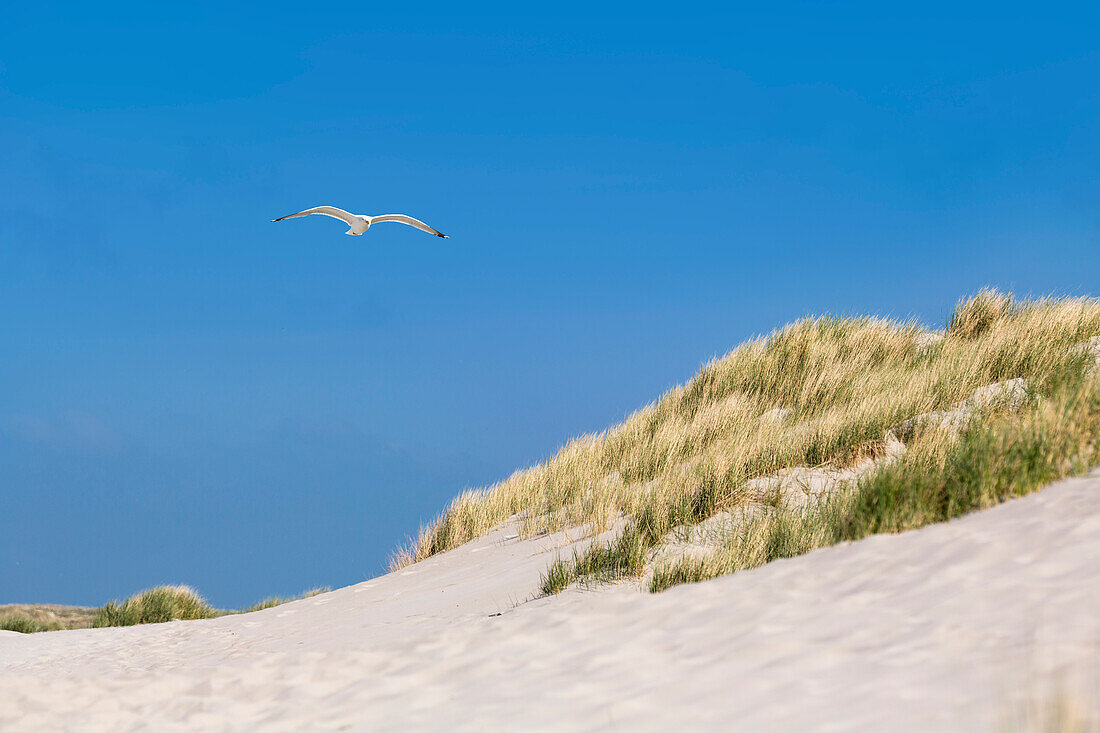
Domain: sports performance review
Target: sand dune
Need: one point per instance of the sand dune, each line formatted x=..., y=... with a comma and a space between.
x=953, y=627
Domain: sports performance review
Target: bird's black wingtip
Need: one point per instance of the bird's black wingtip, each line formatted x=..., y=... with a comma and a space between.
x=441, y=235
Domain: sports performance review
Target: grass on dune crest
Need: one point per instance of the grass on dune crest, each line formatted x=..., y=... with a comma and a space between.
x=28, y=618
x=155, y=605
x=279, y=600
x=24, y=625
x=177, y=603
x=820, y=392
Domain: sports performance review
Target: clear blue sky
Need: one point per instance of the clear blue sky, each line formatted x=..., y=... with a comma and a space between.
x=193, y=394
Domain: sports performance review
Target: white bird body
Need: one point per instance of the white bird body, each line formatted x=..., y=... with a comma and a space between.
x=360, y=223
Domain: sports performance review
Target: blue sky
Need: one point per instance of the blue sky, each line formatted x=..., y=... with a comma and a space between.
x=193, y=394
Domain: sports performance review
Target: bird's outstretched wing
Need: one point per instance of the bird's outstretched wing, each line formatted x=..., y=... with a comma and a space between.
x=401, y=218
x=349, y=219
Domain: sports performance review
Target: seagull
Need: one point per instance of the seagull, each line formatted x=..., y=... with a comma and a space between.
x=360, y=223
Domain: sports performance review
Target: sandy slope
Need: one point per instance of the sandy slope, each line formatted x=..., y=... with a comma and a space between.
x=945, y=628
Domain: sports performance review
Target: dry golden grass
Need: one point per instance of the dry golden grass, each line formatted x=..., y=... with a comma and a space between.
x=941, y=476
x=26, y=617
x=155, y=605
x=821, y=391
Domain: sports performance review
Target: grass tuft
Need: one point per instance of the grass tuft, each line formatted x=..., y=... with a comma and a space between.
x=153, y=606
x=22, y=625
x=976, y=316
x=279, y=600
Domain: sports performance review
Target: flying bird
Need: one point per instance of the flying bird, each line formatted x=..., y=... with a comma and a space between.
x=360, y=223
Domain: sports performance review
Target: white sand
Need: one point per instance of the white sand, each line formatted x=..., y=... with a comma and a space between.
x=949, y=628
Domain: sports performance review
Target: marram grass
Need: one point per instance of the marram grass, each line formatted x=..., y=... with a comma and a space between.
x=1009, y=456
x=280, y=600
x=24, y=625
x=177, y=603
x=156, y=605
x=822, y=391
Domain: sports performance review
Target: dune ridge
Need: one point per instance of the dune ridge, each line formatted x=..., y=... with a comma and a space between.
x=827, y=480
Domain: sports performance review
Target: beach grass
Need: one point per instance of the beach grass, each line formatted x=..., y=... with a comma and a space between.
x=29, y=618
x=1009, y=456
x=178, y=603
x=822, y=392
x=155, y=605
x=24, y=625
x=273, y=601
